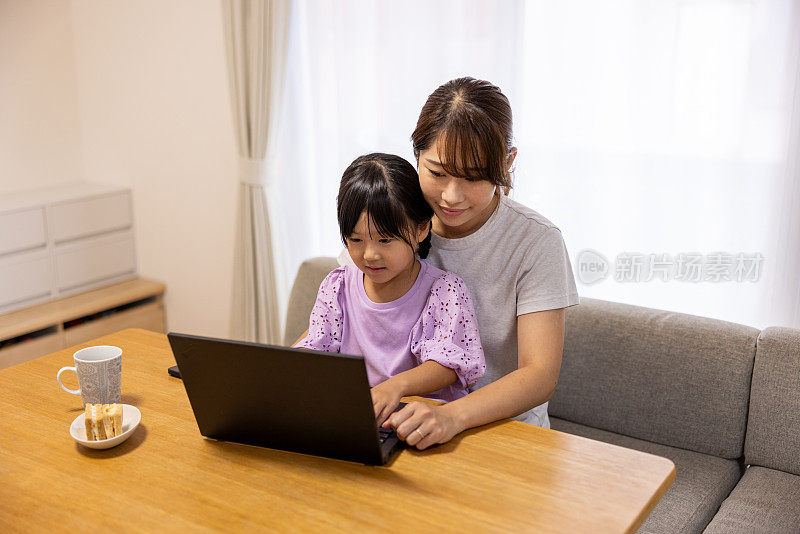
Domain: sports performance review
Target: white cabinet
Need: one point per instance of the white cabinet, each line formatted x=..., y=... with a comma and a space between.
x=86, y=262
x=22, y=230
x=90, y=216
x=63, y=240
x=25, y=278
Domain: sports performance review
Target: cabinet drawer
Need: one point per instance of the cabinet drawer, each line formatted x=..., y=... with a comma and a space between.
x=148, y=316
x=25, y=277
x=28, y=350
x=95, y=260
x=91, y=216
x=22, y=230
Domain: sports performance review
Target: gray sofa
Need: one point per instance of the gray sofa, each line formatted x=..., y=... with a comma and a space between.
x=721, y=400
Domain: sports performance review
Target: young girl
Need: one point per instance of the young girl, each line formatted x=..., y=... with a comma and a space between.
x=413, y=323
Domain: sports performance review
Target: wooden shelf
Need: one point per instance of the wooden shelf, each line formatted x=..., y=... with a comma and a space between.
x=67, y=321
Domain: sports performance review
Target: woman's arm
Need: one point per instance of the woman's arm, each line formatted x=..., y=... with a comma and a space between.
x=540, y=341
x=425, y=378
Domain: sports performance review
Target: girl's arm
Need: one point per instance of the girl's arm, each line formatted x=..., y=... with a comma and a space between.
x=446, y=343
x=301, y=338
x=425, y=378
x=325, y=322
x=540, y=340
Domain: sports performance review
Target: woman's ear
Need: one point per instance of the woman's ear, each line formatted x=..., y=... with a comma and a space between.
x=512, y=155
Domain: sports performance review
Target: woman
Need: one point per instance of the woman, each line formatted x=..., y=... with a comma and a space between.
x=512, y=259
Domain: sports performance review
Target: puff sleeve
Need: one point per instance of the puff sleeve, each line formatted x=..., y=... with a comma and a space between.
x=326, y=322
x=447, y=331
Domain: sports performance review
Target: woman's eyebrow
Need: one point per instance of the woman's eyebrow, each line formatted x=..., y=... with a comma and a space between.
x=433, y=162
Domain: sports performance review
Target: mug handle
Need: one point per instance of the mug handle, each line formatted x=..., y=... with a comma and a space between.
x=65, y=388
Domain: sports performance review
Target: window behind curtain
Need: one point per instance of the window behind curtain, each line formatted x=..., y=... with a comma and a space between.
x=647, y=131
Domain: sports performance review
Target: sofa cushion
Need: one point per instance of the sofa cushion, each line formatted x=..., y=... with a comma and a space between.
x=304, y=293
x=764, y=500
x=773, y=426
x=701, y=481
x=655, y=375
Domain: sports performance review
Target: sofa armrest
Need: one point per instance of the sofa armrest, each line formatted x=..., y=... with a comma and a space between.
x=773, y=425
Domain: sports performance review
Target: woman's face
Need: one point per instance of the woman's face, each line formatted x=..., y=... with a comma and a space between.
x=460, y=206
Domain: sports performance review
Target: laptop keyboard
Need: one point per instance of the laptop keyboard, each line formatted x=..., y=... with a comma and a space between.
x=384, y=433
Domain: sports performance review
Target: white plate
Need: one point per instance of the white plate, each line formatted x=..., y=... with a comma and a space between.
x=131, y=417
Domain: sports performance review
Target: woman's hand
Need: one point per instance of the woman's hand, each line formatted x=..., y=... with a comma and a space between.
x=427, y=377
x=385, y=399
x=422, y=425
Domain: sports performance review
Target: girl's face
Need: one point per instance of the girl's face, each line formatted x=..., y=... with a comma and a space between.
x=460, y=206
x=385, y=260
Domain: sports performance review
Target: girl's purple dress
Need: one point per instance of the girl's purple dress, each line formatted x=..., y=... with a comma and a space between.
x=434, y=320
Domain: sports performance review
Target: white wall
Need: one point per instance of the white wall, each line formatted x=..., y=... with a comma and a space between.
x=138, y=92
x=40, y=134
x=155, y=112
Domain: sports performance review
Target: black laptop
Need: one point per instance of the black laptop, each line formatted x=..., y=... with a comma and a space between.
x=282, y=398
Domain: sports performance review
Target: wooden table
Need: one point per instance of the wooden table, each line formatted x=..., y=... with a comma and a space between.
x=503, y=477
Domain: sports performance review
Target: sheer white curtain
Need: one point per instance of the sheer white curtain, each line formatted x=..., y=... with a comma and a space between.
x=256, y=34
x=648, y=131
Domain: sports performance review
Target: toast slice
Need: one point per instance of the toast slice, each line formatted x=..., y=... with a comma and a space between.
x=87, y=420
x=102, y=421
x=112, y=419
x=94, y=425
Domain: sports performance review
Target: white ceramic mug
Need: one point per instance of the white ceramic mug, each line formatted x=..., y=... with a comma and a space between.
x=99, y=371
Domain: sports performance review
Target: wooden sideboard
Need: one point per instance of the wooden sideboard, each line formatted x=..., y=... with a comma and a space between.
x=51, y=326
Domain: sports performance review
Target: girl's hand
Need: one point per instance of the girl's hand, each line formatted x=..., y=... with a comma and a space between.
x=385, y=399
x=422, y=425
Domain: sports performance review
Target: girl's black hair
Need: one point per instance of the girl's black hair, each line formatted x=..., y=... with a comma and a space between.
x=386, y=187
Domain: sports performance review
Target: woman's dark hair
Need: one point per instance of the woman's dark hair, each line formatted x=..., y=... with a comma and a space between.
x=474, y=118
x=386, y=187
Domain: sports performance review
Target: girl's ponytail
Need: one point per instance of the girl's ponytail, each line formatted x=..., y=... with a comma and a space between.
x=425, y=246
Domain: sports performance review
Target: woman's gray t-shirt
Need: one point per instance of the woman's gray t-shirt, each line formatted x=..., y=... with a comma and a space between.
x=516, y=263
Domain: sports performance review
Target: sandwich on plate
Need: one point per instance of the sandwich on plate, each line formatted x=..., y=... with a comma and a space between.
x=103, y=421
